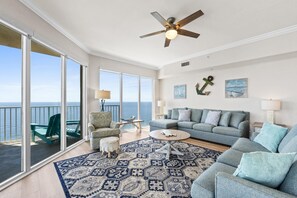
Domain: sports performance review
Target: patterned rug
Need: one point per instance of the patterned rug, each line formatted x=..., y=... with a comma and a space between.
x=137, y=171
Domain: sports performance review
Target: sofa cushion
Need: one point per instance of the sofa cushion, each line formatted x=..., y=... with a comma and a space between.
x=236, y=118
x=184, y=115
x=270, y=136
x=104, y=132
x=290, y=147
x=100, y=119
x=169, y=114
x=289, y=184
x=188, y=125
x=227, y=131
x=245, y=145
x=204, y=185
x=164, y=123
x=174, y=115
x=292, y=133
x=225, y=119
x=196, y=115
x=269, y=169
x=203, y=127
x=230, y=157
x=213, y=117
x=204, y=115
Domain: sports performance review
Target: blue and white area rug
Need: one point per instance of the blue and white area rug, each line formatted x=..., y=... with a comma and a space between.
x=138, y=171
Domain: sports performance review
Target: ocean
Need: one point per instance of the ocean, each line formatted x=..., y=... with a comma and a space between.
x=10, y=115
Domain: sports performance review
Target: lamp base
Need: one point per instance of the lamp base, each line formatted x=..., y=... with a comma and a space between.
x=102, y=105
x=270, y=117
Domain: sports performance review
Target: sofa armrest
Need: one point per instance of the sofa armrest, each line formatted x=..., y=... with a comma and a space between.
x=254, y=135
x=243, y=188
x=114, y=125
x=91, y=127
x=244, y=126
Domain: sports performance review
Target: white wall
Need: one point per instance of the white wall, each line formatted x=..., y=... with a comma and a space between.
x=268, y=78
x=96, y=63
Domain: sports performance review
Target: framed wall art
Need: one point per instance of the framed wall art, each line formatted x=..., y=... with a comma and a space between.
x=180, y=91
x=236, y=88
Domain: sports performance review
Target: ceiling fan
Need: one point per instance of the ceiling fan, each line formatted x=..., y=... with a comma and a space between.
x=172, y=30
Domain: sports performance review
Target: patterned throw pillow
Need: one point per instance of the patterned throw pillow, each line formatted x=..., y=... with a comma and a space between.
x=184, y=115
x=213, y=117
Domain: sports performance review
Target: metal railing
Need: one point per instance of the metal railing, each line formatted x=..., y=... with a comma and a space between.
x=11, y=121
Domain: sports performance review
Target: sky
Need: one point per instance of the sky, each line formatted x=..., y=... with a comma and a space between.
x=45, y=77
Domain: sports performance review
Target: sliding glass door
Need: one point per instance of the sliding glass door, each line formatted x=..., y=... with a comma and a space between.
x=146, y=100
x=10, y=103
x=45, y=102
x=111, y=81
x=73, y=111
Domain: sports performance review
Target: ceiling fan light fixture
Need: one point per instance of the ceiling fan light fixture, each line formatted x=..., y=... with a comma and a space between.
x=171, y=34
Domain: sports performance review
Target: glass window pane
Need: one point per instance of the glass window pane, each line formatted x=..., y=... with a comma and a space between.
x=130, y=97
x=111, y=81
x=10, y=103
x=73, y=116
x=45, y=102
x=146, y=100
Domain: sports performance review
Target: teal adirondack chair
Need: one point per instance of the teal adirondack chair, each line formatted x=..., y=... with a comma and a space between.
x=46, y=132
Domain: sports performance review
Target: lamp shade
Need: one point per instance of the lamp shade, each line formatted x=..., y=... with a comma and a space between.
x=271, y=105
x=161, y=103
x=102, y=94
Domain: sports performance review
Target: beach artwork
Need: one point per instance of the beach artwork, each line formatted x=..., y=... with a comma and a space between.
x=236, y=88
x=180, y=91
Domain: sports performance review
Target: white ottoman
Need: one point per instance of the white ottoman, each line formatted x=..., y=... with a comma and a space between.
x=109, y=144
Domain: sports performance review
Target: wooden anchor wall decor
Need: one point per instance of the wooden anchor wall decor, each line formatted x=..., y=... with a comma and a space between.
x=208, y=81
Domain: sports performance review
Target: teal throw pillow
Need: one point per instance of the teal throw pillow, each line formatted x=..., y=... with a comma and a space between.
x=169, y=114
x=225, y=119
x=236, y=119
x=269, y=169
x=174, y=115
x=270, y=136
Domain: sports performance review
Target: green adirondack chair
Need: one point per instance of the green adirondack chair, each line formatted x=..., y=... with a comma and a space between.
x=73, y=131
x=46, y=132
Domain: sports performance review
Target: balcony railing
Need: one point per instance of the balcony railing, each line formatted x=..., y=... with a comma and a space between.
x=11, y=122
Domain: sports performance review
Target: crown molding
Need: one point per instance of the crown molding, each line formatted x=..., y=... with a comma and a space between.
x=52, y=22
x=124, y=60
x=239, y=43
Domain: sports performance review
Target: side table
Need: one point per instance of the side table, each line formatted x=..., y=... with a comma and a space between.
x=258, y=125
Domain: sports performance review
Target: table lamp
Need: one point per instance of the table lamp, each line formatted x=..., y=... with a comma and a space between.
x=102, y=95
x=270, y=106
x=160, y=104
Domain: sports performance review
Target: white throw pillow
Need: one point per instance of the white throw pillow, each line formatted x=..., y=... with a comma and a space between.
x=213, y=118
x=184, y=115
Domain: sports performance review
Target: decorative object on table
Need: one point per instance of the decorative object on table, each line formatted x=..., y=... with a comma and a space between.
x=270, y=106
x=160, y=104
x=129, y=120
x=167, y=133
x=208, y=81
x=101, y=126
x=102, y=95
x=180, y=91
x=109, y=144
x=236, y=88
x=138, y=171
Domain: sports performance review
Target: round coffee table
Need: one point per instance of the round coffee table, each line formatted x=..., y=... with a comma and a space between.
x=169, y=148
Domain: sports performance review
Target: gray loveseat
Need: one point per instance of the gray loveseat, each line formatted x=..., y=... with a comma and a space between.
x=237, y=126
x=218, y=181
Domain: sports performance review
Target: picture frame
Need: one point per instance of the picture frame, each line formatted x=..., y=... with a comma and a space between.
x=180, y=91
x=236, y=88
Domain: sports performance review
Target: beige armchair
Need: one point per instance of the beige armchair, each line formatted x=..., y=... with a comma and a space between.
x=100, y=126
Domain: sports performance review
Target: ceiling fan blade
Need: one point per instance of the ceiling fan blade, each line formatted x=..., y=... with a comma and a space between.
x=152, y=34
x=188, y=33
x=167, y=42
x=160, y=19
x=190, y=18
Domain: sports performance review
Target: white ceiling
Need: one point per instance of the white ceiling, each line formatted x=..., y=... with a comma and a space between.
x=112, y=28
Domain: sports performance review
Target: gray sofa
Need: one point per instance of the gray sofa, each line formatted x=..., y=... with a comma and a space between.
x=218, y=181
x=238, y=125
